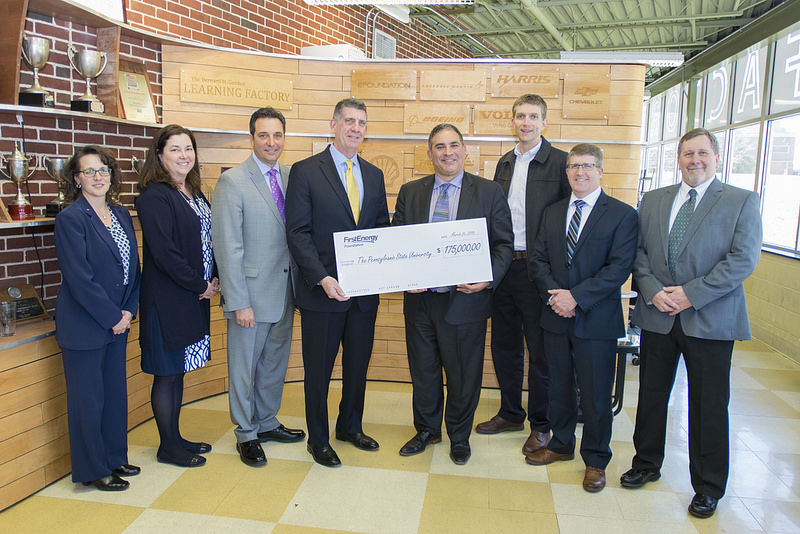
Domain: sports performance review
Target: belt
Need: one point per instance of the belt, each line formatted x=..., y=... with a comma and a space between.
x=520, y=255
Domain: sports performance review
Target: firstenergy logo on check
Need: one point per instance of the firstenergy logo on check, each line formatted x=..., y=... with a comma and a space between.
x=359, y=240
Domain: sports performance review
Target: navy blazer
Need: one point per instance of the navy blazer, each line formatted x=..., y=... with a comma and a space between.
x=172, y=268
x=92, y=294
x=601, y=263
x=479, y=198
x=316, y=207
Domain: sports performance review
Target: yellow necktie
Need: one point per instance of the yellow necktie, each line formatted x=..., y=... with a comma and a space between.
x=352, y=191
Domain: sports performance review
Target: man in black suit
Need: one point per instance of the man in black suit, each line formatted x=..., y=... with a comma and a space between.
x=533, y=177
x=446, y=326
x=583, y=255
x=334, y=191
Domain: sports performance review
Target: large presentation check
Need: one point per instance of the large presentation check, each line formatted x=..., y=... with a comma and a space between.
x=417, y=256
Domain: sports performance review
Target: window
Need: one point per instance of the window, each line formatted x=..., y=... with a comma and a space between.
x=781, y=187
x=744, y=151
x=749, y=84
x=669, y=163
x=718, y=86
x=786, y=74
x=655, y=120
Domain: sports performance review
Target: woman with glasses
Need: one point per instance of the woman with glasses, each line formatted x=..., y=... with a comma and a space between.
x=178, y=279
x=99, y=295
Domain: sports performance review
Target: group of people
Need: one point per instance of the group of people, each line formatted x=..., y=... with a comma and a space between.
x=560, y=250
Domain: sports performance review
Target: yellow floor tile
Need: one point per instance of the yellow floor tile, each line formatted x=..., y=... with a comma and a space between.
x=48, y=514
x=295, y=529
x=167, y=522
x=760, y=402
x=520, y=496
x=777, y=379
x=464, y=519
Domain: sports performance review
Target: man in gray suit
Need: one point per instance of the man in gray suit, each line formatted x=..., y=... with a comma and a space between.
x=698, y=242
x=255, y=273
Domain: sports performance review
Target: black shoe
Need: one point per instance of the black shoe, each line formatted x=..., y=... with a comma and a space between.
x=636, y=478
x=282, y=434
x=109, y=483
x=360, y=440
x=324, y=455
x=184, y=460
x=197, y=447
x=703, y=506
x=127, y=470
x=251, y=453
x=418, y=443
x=460, y=452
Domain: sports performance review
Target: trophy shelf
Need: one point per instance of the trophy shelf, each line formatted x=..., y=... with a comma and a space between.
x=38, y=221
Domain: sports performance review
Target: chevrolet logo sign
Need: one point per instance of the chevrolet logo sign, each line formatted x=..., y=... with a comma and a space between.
x=586, y=91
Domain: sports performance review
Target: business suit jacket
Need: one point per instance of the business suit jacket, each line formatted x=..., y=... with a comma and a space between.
x=479, y=198
x=601, y=263
x=92, y=294
x=250, y=243
x=172, y=272
x=547, y=183
x=316, y=207
x=721, y=248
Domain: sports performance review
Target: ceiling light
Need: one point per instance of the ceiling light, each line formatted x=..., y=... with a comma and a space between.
x=653, y=59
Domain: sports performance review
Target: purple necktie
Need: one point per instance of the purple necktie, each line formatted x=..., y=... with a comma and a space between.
x=277, y=194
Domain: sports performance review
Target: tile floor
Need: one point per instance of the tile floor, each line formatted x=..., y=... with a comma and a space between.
x=495, y=492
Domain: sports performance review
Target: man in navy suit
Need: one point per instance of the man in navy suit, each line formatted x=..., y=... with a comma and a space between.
x=334, y=191
x=446, y=326
x=584, y=253
x=699, y=240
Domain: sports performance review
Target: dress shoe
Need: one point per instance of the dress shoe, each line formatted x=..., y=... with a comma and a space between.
x=127, y=470
x=109, y=483
x=184, y=460
x=418, y=443
x=324, y=455
x=359, y=439
x=282, y=434
x=594, y=480
x=703, y=506
x=197, y=447
x=460, y=452
x=636, y=478
x=251, y=453
x=497, y=424
x=537, y=440
x=545, y=456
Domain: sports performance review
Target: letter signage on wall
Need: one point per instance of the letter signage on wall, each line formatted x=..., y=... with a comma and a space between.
x=455, y=85
x=234, y=88
x=586, y=97
x=421, y=118
x=518, y=80
x=493, y=119
x=385, y=84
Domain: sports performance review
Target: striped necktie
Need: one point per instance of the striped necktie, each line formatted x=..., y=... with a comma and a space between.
x=441, y=210
x=572, y=233
x=678, y=230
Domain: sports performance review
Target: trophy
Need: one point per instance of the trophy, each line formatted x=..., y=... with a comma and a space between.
x=54, y=165
x=36, y=51
x=19, y=208
x=90, y=64
x=137, y=164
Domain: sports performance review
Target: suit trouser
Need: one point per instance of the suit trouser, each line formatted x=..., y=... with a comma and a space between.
x=433, y=344
x=708, y=367
x=517, y=310
x=592, y=363
x=322, y=333
x=257, y=361
x=97, y=409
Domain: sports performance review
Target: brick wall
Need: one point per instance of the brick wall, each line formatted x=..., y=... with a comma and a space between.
x=280, y=26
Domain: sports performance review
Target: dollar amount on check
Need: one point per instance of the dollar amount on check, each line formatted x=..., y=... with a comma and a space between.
x=417, y=256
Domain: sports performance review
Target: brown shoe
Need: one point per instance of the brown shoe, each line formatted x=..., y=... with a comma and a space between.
x=545, y=456
x=497, y=424
x=594, y=480
x=536, y=441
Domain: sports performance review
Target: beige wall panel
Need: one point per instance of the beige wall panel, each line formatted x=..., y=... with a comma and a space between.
x=21, y=487
x=319, y=83
x=622, y=166
x=631, y=151
x=627, y=88
x=628, y=196
x=328, y=98
x=600, y=133
x=328, y=68
x=173, y=102
x=488, y=167
x=584, y=70
x=559, y=120
x=253, y=61
x=204, y=120
x=31, y=395
x=201, y=391
x=222, y=140
x=212, y=156
x=57, y=469
x=22, y=354
x=385, y=128
x=617, y=180
x=23, y=443
x=20, y=422
x=173, y=70
x=627, y=103
x=20, y=377
x=625, y=118
x=628, y=72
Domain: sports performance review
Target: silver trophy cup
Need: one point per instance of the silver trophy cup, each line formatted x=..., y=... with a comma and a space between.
x=19, y=208
x=137, y=164
x=36, y=51
x=54, y=165
x=89, y=64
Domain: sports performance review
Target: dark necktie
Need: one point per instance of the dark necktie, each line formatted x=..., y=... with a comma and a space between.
x=572, y=233
x=277, y=194
x=678, y=230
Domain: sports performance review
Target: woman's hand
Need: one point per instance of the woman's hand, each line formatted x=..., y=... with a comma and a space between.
x=212, y=289
x=124, y=324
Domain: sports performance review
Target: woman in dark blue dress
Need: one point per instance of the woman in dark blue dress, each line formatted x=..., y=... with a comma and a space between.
x=99, y=295
x=178, y=279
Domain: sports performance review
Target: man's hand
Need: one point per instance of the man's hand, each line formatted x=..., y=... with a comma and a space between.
x=472, y=288
x=333, y=289
x=245, y=317
x=677, y=296
x=562, y=302
x=664, y=303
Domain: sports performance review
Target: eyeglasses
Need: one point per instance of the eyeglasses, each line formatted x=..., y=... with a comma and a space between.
x=584, y=166
x=103, y=171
